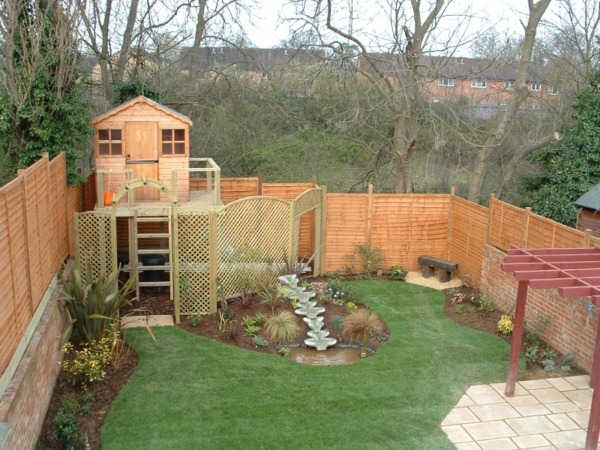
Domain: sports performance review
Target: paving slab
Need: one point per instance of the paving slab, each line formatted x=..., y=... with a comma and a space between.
x=543, y=415
x=532, y=425
x=531, y=441
x=489, y=430
x=581, y=397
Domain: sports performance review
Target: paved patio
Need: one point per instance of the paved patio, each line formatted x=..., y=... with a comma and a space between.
x=542, y=415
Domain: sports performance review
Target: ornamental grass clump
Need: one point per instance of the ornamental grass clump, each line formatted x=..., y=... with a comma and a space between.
x=362, y=324
x=282, y=327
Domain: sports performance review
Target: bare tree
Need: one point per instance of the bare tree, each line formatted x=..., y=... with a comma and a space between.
x=519, y=95
x=399, y=73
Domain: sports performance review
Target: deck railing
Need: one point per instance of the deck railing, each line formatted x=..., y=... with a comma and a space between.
x=210, y=169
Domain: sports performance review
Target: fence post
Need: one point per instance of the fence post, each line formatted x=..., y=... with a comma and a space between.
x=586, y=237
x=369, y=212
x=259, y=186
x=526, y=227
x=490, y=215
x=22, y=174
x=323, y=229
x=450, y=212
x=99, y=187
x=212, y=258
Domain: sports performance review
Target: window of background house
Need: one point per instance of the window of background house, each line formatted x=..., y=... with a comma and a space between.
x=109, y=142
x=536, y=87
x=509, y=85
x=173, y=142
x=446, y=82
x=552, y=90
x=479, y=84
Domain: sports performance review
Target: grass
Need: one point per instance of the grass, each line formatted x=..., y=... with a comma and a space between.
x=190, y=392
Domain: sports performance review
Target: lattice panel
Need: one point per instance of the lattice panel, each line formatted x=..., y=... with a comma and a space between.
x=307, y=201
x=94, y=243
x=253, y=237
x=194, y=275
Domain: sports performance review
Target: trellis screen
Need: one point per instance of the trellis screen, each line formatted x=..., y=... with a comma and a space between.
x=93, y=243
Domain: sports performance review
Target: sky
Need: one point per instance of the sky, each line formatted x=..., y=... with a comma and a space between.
x=502, y=14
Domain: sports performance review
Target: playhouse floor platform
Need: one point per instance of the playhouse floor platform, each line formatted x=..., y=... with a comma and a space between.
x=199, y=200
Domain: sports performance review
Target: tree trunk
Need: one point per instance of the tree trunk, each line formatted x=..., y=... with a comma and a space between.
x=520, y=155
x=127, y=38
x=200, y=27
x=521, y=92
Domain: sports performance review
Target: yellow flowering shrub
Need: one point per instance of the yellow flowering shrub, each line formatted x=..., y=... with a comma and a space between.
x=88, y=364
x=505, y=325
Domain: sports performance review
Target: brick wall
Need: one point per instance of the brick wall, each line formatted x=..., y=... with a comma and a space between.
x=567, y=331
x=26, y=401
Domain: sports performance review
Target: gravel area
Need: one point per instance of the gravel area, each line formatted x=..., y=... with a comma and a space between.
x=433, y=282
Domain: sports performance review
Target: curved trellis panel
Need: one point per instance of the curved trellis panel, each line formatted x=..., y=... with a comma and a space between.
x=253, y=237
x=93, y=243
x=307, y=221
x=194, y=266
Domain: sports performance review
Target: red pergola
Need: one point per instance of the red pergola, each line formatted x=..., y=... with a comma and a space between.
x=574, y=272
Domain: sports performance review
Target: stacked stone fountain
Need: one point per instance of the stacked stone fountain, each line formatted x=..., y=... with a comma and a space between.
x=317, y=337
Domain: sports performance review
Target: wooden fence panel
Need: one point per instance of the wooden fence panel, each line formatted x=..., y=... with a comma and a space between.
x=58, y=195
x=508, y=223
x=233, y=189
x=408, y=226
x=468, y=228
x=73, y=205
x=88, y=193
x=35, y=227
x=346, y=225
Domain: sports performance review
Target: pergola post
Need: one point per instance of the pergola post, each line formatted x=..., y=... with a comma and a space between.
x=517, y=338
x=591, y=441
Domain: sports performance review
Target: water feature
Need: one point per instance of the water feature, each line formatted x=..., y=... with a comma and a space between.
x=317, y=337
x=332, y=357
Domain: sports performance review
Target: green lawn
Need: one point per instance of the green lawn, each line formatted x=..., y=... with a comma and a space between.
x=193, y=393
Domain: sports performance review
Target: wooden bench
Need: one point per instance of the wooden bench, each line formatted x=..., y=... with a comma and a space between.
x=430, y=264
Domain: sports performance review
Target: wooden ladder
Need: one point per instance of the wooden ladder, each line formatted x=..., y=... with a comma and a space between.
x=165, y=237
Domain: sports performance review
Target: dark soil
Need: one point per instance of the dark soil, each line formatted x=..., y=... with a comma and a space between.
x=160, y=304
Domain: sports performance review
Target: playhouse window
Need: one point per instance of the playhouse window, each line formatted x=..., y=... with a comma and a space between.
x=109, y=142
x=173, y=142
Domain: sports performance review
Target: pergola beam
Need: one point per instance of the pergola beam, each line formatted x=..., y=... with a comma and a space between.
x=575, y=273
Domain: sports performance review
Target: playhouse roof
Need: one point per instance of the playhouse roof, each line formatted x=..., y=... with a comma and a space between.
x=142, y=99
x=591, y=199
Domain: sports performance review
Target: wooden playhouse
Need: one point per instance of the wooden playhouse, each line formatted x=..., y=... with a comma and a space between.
x=142, y=138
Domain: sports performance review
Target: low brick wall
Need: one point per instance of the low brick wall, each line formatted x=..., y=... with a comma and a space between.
x=567, y=331
x=24, y=405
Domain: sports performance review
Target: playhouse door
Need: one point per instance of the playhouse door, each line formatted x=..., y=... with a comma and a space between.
x=143, y=156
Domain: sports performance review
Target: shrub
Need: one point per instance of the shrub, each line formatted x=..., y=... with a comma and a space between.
x=372, y=256
x=92, y=308
x=485, y=304
x=284, y=351
x=505, y=325
x=362, y=324
x=282, y=327
x=88, y=364
x=398, y=273
x=195, y=319
x=65, y=429
x=337, y=322
x=350, y=308
x=259, y=341
x=260, y=318
x=269, y=295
